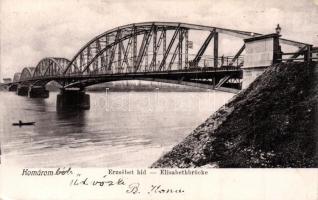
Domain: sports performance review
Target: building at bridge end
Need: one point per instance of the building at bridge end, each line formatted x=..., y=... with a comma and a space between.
x=261, y=52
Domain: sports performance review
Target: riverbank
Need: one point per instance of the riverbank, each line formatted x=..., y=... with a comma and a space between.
x=273, y=123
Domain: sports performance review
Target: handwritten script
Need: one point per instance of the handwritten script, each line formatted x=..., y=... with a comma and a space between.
x=129, y=181
x=128, y=187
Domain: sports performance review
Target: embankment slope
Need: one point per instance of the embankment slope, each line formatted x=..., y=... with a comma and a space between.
x=273, y=123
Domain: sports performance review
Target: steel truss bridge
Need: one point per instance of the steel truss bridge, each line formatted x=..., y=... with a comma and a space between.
x=154, y=51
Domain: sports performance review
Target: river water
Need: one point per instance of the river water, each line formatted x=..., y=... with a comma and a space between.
x=122, y=129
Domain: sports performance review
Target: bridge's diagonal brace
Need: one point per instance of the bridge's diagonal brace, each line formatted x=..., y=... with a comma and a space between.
x=298, y=53
x=99, y=48
x=202, y=49
x=90, y=62
x=140, y=59
x=134, y=45
x=122, y=47
x=39, y=70
x=47, y=69
x=222, y=81
x=127, y=52
x=117, y=39
x=88, y=55
x=106, y=52
x=121, y=50
x=112, y=56
x=164, y=43
x=156, y=48
x=237, y=55
x=81, y=61
x=186, y=53
x=169, y=48
x=144, y=45
x=154, y=45
x=146, y=58
x=180, y=44
x=176, y=51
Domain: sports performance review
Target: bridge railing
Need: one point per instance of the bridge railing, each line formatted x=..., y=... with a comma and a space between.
x=219, y=62
x=205, y=63
x=306, y=54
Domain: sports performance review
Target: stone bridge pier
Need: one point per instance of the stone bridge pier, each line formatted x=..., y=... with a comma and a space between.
x=38, y=92
x=72, y=99
x=12, y=88
x=22, y=90
x=32, y=91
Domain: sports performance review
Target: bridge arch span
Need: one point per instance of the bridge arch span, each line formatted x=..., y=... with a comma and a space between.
x=98, y=54
x=118, y=50
x=50, y=66
x=16, y=77
x=27, y=73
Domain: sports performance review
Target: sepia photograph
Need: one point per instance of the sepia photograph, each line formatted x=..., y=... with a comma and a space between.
x=157, y=88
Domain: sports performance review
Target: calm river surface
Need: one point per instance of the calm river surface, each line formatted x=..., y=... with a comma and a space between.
x=122, y=129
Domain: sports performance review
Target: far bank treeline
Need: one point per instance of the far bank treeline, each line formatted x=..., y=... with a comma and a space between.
x=273, y=123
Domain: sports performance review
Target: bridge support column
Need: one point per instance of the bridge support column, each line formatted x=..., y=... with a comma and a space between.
x=12, y=88
x=216, y=49
x=38, y=92
x=22, y=90
x=72, y=99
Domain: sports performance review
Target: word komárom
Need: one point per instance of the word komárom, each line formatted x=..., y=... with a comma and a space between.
x=39, y=172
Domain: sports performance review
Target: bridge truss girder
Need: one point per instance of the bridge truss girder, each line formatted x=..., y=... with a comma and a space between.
x=131, y=47
x=128, y=49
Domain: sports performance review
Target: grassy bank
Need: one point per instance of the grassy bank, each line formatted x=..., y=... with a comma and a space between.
x=273, y=123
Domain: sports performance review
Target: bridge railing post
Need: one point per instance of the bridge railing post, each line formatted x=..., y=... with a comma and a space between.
x=308, y=54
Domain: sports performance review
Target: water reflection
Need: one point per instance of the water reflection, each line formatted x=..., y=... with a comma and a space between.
x=36, y=104
x=74, y=118
x=123, y=129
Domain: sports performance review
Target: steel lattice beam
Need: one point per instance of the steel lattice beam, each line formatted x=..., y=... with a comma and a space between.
x=106, y=54
x=202, y=49
x=181, y=33
x=177, y=50
x=161, y=26
x=116, y=41
x=156, y=47
x=144, y=45
x=88, y=56
x=121, y=49
x=166, y=53
x=112, y=56
x=164, y=43
x=216, y=49
x=127, y=53
x=237, y=55
x=99, y=48
x=186, y=56
x=134, y=46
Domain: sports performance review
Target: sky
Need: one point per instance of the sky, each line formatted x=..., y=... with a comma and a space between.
x=33, y=29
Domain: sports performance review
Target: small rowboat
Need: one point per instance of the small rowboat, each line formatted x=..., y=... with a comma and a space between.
x=23, y=123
